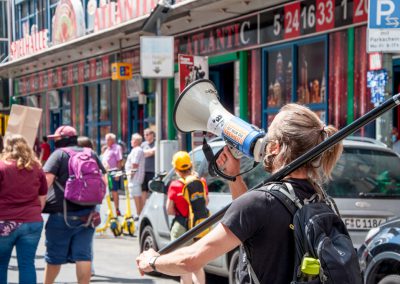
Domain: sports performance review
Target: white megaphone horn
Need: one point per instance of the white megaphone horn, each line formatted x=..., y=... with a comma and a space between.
x=198, y=109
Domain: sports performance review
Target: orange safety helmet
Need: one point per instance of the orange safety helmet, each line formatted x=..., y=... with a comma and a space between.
x=181, y=161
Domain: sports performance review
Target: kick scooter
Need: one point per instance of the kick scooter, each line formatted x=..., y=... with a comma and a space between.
x=127, y=224
x=112, y=219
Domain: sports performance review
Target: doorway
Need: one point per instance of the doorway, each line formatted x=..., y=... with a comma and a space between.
x=135, y=119
x=224, y=79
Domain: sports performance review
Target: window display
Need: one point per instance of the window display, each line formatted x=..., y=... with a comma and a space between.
x=280, y=73
x=311, y=82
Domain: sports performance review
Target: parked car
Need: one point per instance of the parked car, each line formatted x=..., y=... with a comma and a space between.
x=366, y=187
x=379, y=256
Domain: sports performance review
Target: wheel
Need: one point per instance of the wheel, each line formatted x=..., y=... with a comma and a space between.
x=130, y=228
x=115, y=228
x=390, y=279
x=148, y=241
x=234, y=268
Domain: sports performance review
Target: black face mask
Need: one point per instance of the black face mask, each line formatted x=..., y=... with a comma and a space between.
x=65, y=142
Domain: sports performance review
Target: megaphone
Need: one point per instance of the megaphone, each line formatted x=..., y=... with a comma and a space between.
x=198, y=109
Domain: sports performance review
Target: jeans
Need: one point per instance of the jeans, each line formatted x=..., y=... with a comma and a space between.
x=25, y=239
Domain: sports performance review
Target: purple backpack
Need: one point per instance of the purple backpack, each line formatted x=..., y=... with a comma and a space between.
x=85, y=185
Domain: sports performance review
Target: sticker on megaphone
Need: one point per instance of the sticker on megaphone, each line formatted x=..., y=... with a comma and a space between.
x=238, y=134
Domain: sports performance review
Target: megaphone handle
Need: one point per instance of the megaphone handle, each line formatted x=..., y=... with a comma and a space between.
x=215, y=168
x=235, y=152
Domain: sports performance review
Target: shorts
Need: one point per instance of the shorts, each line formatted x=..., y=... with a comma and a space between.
x=148, y=176
x=135, y=189
x=178, y=230
x=116, y=183
x=65, y=244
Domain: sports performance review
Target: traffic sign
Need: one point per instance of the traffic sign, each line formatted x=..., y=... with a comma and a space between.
x=383, y=26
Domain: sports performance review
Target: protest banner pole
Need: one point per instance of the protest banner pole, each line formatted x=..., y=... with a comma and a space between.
x=300, y=161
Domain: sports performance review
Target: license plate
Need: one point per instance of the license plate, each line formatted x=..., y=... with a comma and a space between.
x=359, y=223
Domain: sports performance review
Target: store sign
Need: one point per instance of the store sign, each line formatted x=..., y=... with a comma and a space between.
x=29, y=44
x=157, y=56
x=384, y=26
x=300, y=18
x=113, y=13
x=222, y=38
x=121, y=71
x=68, y=21
x=277, y=24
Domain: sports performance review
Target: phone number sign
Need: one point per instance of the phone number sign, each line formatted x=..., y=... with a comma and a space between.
x=384, y=26
x=310, y=16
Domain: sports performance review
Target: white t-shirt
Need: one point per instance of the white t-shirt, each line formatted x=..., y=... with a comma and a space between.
x=136, y=156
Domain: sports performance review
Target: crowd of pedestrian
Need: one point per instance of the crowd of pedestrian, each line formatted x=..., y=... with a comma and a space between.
x=33, y=181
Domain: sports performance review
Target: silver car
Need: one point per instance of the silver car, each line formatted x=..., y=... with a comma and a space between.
x=365, y=186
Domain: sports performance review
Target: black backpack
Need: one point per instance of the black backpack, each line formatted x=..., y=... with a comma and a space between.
x=324, y=252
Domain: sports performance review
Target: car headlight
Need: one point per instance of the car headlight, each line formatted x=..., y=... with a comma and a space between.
x=372, y=233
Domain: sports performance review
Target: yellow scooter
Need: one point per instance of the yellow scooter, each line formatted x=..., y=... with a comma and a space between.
x=112, y=219
x=127, y=224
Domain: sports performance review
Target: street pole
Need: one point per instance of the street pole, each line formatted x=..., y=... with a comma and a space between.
x=158, y=100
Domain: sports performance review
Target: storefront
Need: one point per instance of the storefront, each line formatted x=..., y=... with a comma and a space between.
x=310, y=52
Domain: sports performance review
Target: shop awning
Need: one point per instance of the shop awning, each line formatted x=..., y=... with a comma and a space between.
x=184, y=17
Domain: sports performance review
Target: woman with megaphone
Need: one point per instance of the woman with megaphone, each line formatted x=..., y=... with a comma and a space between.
x=257, y=219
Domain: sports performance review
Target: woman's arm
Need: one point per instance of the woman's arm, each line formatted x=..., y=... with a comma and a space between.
x=50, y=179
x=189, y=259
x=170, y=207
x=42, y=200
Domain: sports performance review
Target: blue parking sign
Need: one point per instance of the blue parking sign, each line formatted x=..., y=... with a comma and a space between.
x=384, y=14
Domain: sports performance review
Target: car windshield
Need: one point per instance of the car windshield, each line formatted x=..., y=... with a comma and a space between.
x=366, y=173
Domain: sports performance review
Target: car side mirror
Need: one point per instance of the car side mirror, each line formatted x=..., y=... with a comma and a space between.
x=157, y=186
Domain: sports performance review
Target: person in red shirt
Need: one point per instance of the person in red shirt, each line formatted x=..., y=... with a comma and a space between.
x=45, y=150
x=23, y=190
x=179, y=207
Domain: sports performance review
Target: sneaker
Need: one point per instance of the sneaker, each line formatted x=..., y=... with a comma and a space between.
x=118, y=212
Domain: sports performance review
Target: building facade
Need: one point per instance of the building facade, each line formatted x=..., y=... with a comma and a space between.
x=260, y=56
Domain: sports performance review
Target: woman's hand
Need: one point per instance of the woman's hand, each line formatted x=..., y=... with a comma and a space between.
x=143, y=261
x=228, y=163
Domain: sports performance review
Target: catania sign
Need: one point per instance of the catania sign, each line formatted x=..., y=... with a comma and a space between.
x=29, y=44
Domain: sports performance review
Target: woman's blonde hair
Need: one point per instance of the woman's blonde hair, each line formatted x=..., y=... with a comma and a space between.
x=297, y=129
x=16, y=148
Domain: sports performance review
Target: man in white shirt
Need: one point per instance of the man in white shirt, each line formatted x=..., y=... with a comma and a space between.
x=134, y=168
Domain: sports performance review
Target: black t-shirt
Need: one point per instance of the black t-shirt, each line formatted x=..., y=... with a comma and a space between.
x=261, y=222
x=57, y=164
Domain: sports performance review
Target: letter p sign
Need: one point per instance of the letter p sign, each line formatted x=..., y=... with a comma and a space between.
x=385, y=8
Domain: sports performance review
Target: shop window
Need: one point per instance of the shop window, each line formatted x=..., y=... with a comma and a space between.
x=26, y=17
x=311, y=82
x=98, y=113
x=50, y=13
x=280, y=77
x=295, y=72
x=3, y=20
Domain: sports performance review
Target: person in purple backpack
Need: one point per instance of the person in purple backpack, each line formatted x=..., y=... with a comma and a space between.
x=69, y=234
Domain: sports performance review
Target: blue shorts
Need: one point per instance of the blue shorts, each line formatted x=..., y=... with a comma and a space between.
x=116, y=184
x=64, y=244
